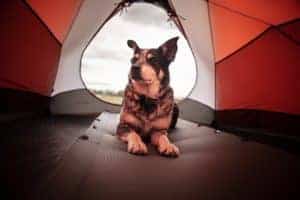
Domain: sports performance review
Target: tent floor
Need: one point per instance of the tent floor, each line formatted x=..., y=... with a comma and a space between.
x=47, y=159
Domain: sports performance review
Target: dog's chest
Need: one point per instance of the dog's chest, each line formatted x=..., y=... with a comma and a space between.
x=147, y=105
x=148, y=118
x=147, y=113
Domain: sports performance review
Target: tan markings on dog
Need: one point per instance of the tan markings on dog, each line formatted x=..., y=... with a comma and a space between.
x=148, y=72
x=135, y=144
x=131, y=101
x=131, y=119
x=160, y=75
x=165, y=107
x=164, y=146
x=153, y=89
x=150, y=90
x=149, y=55
x=161, y=123
x=145, y=124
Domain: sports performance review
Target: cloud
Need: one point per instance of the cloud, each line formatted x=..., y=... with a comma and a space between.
x=105, y=53
x=156, y=16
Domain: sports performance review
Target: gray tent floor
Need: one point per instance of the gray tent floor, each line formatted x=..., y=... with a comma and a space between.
x=47, y=159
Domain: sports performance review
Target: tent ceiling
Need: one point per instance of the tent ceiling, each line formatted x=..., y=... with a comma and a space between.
x=292, y=30
x=227, y=26
x=57, y=14
x=235, y=22
x=29, y=52
x=251, y=16
x=269, y=11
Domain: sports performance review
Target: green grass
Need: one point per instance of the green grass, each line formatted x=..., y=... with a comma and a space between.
x=110, y=98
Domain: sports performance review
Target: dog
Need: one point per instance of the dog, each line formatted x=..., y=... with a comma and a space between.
x=148, y=108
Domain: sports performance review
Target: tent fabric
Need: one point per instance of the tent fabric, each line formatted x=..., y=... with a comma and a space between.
x=246, y=54
x=254, y=122
x=256, y=55
x=264, y=74
x=268, y=11
x=91, y=16
x=19, y=104
x=200, y=40
x=235, y=23
x=231, y=30
x=75, y=103
x=271, y=65
x=292, y=29
x=58, y=15
x=29, y=52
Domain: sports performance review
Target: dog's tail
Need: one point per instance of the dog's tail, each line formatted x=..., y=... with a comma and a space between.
x=175, y=116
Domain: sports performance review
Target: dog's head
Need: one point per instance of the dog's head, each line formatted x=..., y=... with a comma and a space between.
x=150, y=67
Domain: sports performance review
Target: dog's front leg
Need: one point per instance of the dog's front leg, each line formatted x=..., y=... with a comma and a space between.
x=163, y=144
x=135, y=145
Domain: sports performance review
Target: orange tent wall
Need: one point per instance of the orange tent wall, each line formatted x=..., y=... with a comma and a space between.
x=235, y=22
x=273, y=12
x=30, y=53
x=264, y=75
x=231, y=30
x=258, y=87
x=257, y=49
x=57, y=14
x=292, y=29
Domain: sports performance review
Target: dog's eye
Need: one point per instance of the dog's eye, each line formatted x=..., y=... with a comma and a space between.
x=133, y=60
x=151, y=58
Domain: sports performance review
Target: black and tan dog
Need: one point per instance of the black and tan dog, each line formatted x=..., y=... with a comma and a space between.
x=148, y=109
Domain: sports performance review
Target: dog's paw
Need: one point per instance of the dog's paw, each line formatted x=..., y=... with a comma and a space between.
x=168, y=149
x=137, y=147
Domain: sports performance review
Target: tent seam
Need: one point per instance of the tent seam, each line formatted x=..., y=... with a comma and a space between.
x=41, y=21
x=277, y=28
x=73, y=21
x=245, y=45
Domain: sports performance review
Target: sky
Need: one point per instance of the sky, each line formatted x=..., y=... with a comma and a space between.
x=106, y=61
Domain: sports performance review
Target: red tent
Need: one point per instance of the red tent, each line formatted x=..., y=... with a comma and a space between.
x=256, y=50
x=247, y=54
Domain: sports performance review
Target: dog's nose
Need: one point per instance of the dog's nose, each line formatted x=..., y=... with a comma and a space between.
x=136, y=72
x=135, y=66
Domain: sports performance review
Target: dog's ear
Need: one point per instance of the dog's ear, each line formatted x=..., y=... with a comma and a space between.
x=169, y=49
x=133, y=45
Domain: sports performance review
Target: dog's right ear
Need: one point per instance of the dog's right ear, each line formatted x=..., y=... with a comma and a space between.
x=133, y=45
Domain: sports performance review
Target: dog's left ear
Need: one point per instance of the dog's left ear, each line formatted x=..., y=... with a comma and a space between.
x=169, y=49
x=133, y=45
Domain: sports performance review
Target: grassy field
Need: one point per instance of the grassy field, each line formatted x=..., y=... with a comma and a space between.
x=110, y=98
